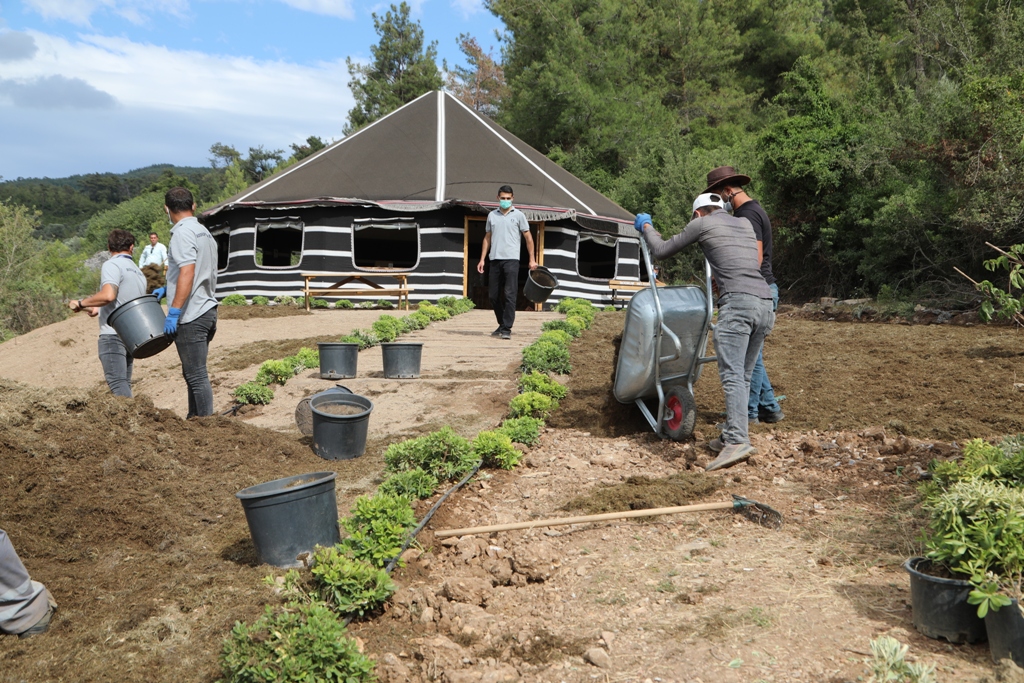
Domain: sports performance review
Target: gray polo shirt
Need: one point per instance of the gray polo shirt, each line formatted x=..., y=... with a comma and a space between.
x=729, y=245
x=121, y=272
x=191, y=243
x=505, y=230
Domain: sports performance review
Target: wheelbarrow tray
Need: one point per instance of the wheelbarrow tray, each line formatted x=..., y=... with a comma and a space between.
x=685, y=312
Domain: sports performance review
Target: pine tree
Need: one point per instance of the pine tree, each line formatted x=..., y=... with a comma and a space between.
x=402, y=69
x=481, y=85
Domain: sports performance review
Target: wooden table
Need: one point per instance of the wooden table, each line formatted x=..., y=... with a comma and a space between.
x=368, y=287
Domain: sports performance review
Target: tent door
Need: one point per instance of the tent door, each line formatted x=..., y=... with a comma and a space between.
x=475, y=285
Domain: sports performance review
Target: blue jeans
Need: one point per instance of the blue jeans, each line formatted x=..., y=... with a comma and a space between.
x=193, y=343
x=743, y=322
x=762, y=396
x=117, y=364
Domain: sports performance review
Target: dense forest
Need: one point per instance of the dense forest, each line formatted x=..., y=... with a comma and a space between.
x=885, y=137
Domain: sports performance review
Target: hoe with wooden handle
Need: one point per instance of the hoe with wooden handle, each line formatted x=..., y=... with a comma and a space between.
x=751, y=509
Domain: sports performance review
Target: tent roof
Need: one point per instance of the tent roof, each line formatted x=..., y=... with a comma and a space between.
x=434, y=152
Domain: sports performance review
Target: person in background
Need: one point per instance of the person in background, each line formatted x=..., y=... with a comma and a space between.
x=727, y=183
x=191, y=283
x=501, y=241
x=745, y=313
x=120, y=282
x=26, y=607
x=153, y=263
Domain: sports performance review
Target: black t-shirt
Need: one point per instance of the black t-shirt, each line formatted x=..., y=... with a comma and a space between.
x=752, y=211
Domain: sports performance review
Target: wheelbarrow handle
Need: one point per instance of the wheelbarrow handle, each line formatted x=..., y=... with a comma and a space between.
x=675, y=343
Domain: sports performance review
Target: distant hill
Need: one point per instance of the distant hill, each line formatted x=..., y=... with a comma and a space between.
x=66, y=204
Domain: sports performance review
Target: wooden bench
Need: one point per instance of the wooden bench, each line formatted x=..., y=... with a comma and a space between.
x=623, y=290
x=369, y=287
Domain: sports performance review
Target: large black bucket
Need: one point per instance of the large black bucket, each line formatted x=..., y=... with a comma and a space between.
x=304, y=414
x=1006, y=633
x=940, y=605
x=338, y=360
x=290, y=516
x=339, y=436
x=539, y=285
x=140, y=325
x=402, y=359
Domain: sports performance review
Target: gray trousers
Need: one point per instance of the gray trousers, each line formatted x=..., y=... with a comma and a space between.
x=23, y=602
x=117, y=364
x=744, y=320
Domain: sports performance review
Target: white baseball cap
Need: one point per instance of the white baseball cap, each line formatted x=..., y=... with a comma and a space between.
x=708, y=199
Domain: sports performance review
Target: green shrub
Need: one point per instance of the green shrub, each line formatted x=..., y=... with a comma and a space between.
x=252, y=393
x=981, y=461
x=260, y=301
x=495, y=449
x=285, y=300
x=580, y=320
x=275, y=372
x=414, y=321
x=387, y=328
x=609, y=309
x=352, y=586
x=377, y=528
x=532, y=404
x=364, y=338
x=541, y=383
x=295, y=644
x=344, y=303
x=455, y=306
x=524, y=430
x=318, y=303
x=385, y=304
x=573, y=328
x=570, y=304
x=308, y=358
x=233, y=300
x=443, y=453
x=546, y=357
x=556, y=336
x=436, y=313
x=412, y=484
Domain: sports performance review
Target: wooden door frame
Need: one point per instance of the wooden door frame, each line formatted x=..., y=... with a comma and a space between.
x=538, y=248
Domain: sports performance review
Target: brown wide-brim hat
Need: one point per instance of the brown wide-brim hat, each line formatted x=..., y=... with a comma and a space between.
x=725, y=173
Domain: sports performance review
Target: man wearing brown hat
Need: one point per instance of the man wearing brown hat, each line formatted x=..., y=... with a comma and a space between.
x=726, y=182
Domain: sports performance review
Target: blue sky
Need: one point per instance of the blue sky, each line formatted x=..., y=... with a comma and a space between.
x=111, y=85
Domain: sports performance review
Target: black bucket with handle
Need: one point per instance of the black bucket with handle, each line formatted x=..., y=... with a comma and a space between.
x=140, y=325
x=338, y=360
x=340, y=423
x=539, y=285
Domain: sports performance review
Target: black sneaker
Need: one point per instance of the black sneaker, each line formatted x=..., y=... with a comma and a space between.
x=41, y=626
x=772, y=417
x=496, y=333
x=506, y=335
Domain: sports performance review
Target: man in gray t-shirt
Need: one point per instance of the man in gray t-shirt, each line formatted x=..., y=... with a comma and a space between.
x=501, y=241
x=192, y=307
x=120, y=282
x=745, y=313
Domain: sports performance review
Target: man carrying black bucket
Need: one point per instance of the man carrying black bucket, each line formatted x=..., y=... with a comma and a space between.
x=504, y=226
x=745, y=312
x=120, y=282
x=191, y=283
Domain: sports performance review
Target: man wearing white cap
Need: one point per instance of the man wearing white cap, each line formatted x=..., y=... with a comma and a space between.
x=745, y=313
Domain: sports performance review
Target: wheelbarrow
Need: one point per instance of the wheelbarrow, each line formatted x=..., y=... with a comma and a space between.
x=663, y=348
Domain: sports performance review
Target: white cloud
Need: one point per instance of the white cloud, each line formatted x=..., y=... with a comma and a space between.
x=80, y=11
x=15, y=45
x=468, y=8
x=331, y=8
x=55, y=92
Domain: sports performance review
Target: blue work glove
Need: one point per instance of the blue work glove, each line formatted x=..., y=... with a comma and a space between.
x=159, y=293
x=642, y=218
x=171, y=323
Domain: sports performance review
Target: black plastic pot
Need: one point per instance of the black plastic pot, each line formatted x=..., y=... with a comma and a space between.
x=304, y=414
x=288, y=517
x=338, y=360
x=540, y=282
x=940, y=605
x=402, y=359
x=1006, y=633
x=140, y=325
x=340, y=437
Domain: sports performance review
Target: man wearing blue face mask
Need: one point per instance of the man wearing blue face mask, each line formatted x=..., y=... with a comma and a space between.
x=501, y=241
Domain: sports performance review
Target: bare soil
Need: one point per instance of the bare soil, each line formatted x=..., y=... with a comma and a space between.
x=127, y=512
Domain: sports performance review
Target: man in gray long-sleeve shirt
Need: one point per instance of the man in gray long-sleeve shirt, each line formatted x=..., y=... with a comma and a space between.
x=745, y=313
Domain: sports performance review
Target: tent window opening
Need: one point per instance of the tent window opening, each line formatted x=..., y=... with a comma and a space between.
x=279, y=245
x=386, y=246
x=223, y=243
x=596, y=256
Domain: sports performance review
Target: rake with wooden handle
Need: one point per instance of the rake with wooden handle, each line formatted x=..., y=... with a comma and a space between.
x=751, y=509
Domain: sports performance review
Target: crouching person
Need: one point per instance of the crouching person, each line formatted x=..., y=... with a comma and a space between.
x=120, y=282
x=745, y=313
x=25, y=605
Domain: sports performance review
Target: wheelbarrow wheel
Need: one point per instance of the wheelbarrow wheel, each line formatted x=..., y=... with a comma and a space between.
x=680, y=414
